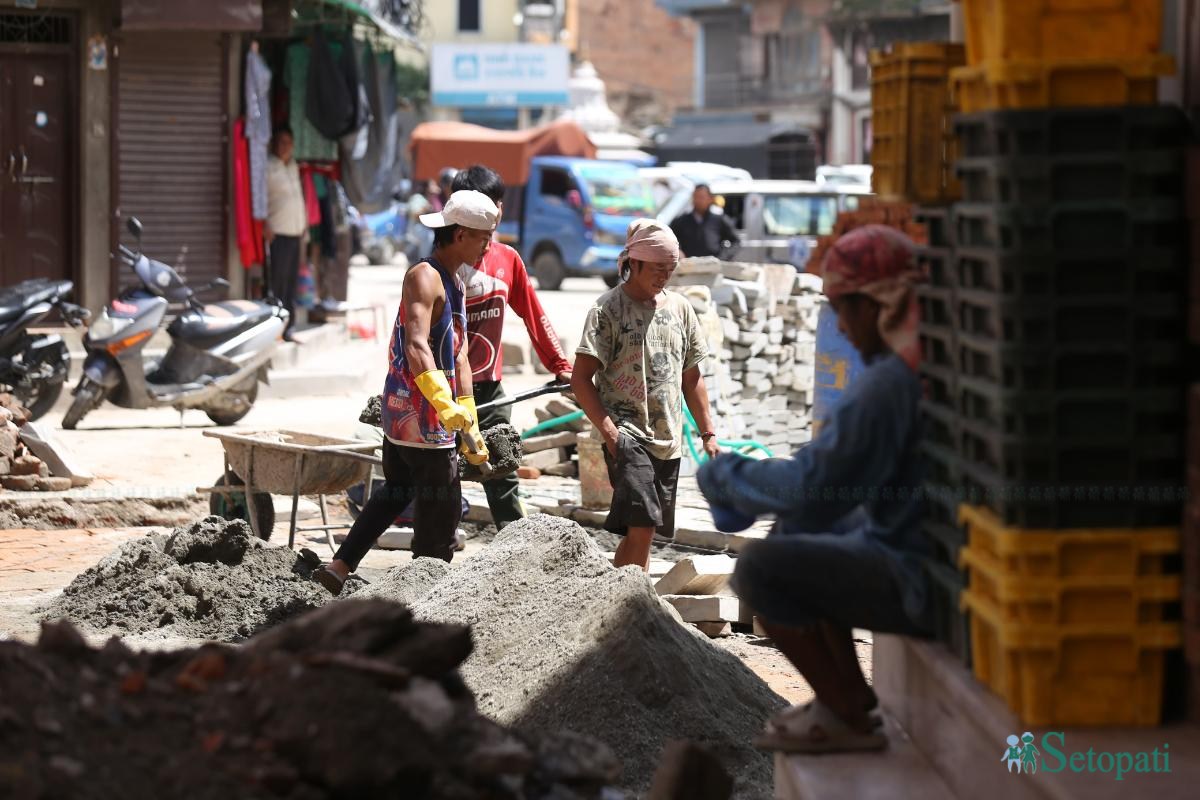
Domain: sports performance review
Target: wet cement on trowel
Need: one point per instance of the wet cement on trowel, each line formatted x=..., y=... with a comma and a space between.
x=565, y=641
x=210, y=580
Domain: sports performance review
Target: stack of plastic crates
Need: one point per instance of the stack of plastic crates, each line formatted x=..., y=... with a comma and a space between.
x=912, y=150
x=1053, y=337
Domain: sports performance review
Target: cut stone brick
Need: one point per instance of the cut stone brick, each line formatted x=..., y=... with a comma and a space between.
x=544, y=458
x=19, y=483
x=567, y=469
x=738, y=541
x=700, y=537
x=8, y=442
x=26, y=465
x=697, y=575
x=536, y=444
x=705, y=608
x=714, y=630
x=52, y=484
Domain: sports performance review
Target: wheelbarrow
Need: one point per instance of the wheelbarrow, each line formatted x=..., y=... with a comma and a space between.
x=287, y=462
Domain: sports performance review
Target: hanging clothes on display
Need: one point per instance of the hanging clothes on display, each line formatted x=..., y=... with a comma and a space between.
x=310, y=144
x=312, y=208
x=331, y=98
x=249, y=229
x=374, y=176
x=258, y=127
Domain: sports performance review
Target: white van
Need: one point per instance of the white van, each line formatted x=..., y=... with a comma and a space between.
x=777, y=221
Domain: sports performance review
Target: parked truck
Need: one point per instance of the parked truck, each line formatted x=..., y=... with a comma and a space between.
x=565, y=211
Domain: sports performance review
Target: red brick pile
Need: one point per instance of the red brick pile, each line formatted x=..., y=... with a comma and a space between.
x=21, y=470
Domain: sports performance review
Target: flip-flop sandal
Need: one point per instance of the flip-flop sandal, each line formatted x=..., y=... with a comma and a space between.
x=329, y=579
x=875, y=715
x=817, y=730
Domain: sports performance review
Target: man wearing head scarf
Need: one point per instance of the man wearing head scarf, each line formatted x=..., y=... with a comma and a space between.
x=638, y=359
x=846, y=550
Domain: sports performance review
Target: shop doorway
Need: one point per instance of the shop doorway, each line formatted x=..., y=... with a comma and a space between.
x=37, y=134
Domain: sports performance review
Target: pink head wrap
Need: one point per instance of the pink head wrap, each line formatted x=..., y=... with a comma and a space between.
x=877, y=261
x=649, y=240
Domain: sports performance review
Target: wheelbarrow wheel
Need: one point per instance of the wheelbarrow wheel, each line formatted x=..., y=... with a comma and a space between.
x=234, y=506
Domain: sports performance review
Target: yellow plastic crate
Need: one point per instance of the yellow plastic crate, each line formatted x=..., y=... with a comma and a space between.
x=913, y=148
x=1051, y=30
x=1070, y=601
x=1098, y=674
x=1077, y=82
x=1075, y=553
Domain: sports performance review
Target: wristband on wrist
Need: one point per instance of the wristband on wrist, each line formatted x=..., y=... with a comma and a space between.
x=706, y=435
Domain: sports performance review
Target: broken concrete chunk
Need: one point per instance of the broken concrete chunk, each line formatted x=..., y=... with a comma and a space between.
x=46, y=484
x=697, y=575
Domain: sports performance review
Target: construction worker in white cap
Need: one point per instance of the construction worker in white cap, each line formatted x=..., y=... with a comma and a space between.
x=427, y=397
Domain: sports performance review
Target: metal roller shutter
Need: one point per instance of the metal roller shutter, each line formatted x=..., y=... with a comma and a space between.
x=171, y=150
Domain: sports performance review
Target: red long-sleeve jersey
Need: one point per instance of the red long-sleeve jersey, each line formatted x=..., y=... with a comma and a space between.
x=500, y=280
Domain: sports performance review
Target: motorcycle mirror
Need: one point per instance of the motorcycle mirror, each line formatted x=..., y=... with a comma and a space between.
x=135, y=227
x=220, y=283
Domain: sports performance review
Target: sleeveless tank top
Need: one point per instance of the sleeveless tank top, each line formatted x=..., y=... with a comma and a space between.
x=408, y=418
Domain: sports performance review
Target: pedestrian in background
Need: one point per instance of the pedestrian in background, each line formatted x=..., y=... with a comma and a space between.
x=638, y=359
x=496, y=281
x=702, y=232
x=287, y=223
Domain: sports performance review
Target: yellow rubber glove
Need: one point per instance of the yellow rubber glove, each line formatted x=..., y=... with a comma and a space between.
x=468, y=401
x=435, y=387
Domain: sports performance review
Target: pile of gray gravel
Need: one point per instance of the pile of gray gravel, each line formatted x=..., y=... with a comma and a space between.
x=565, y=641
x=211, y=580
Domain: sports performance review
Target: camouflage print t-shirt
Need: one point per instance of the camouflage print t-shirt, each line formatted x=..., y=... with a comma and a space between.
x=643, y=353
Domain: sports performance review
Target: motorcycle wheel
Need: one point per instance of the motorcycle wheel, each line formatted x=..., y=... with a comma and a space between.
x=88, y=395
x=40, y=394
x=233, y=412
x=234, y=506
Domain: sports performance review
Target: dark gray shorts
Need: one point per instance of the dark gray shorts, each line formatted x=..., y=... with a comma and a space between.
x=844, y=579
x=643, y=489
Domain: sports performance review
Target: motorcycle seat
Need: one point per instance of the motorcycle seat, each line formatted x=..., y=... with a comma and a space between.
x=15, y=299
x=218, y=320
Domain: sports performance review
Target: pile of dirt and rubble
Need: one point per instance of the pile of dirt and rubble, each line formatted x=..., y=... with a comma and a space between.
x=29, y=458
x=564, y=641
x=354, y=700
x=211, y=580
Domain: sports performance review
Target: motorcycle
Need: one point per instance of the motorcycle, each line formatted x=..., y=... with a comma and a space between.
x=33, y=366
x=219, y=352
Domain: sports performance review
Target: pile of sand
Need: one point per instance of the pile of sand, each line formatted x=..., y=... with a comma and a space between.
x=210, y=580
x=353, y=700
x=405, y=584
x=564, y=641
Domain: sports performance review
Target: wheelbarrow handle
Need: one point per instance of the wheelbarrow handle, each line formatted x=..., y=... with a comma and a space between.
x=549, y=388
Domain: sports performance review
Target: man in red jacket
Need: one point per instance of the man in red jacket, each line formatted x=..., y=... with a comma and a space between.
x=500, y=279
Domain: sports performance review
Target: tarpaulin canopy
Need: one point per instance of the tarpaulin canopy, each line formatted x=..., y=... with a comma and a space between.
x=437, y=145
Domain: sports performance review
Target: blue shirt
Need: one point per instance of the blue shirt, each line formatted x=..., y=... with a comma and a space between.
x=861, y=477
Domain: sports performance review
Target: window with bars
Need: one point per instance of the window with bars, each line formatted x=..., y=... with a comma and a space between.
x=35, y=29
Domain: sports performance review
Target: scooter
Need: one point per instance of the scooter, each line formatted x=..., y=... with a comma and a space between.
x=33, y=366
x=219, y=352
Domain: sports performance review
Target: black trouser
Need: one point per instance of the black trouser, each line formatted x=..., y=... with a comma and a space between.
x=285, y=272
x=502, y=493
x=426, y=477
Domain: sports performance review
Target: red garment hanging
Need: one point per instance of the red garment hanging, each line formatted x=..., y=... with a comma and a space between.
x=249, y=230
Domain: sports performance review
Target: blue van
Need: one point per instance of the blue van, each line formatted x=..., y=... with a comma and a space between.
x=571, y=217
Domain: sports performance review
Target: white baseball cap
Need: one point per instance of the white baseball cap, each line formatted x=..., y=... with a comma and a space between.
x=467, y=208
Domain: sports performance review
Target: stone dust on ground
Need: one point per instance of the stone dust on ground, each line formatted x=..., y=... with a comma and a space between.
x=565, y=641
x=211, y=580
